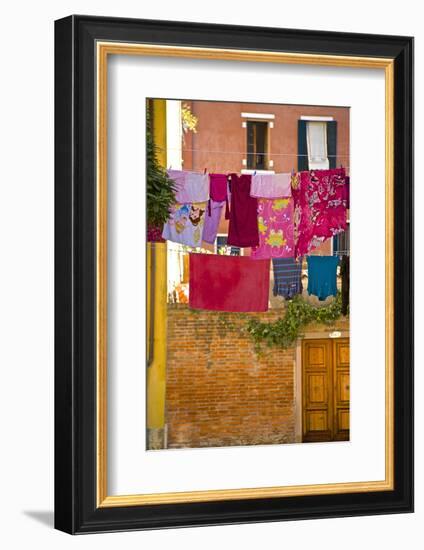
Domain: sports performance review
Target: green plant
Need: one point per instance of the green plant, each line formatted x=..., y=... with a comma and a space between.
x=284, y=331
x=160, y=188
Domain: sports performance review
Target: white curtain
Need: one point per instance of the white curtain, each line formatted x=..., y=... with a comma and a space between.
x=317, y=145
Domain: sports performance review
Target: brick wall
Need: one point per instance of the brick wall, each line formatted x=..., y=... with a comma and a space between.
x=218, y=391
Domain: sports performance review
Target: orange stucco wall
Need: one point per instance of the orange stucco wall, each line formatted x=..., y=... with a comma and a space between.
x=220, y=142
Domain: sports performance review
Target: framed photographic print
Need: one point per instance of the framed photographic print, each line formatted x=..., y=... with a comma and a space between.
x=234, y=274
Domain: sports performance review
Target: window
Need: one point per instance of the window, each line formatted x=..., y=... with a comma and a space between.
x=317, y=145
x=223, y=248
x=257, y=145
x=341, y=242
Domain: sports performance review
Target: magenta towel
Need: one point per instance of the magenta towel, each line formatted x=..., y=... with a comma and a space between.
x=320, y=207
x=218, y=192
x=228, y=283
x=243, y=227
x=218, y=187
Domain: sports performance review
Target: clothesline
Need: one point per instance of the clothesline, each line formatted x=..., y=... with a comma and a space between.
x=270, y=153
x=180, y=251
x=215, y=167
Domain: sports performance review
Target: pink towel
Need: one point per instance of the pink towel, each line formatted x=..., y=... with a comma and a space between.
x=271, y=186
x=191, y=186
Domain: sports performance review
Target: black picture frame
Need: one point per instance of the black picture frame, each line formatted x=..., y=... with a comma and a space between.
x=76, y=510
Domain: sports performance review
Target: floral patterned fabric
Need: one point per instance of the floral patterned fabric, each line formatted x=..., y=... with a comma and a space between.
x=185, y=224
x=275, y=225
x=319, y=207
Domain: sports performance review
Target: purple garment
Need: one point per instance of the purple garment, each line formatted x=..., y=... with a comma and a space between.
x=212, y=217
x=185, y=224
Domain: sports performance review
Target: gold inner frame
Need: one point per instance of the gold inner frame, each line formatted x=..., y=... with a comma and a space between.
x=104, y=49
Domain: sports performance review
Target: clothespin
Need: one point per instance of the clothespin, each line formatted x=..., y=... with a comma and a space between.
x=170, y=166
x=254, y=173
x=292, y=172
x=204, y=171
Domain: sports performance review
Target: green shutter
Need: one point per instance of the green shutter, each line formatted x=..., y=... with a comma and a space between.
x=302, y=146
x=332, y=143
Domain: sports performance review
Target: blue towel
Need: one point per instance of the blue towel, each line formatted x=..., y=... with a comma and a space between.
x=322, y=276
x=287, y=277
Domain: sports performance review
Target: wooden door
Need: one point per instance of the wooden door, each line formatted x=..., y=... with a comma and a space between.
x=325, y=389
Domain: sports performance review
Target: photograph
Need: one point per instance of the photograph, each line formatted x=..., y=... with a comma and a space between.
x=248, y=249
x=209, y=337
x=221, y=357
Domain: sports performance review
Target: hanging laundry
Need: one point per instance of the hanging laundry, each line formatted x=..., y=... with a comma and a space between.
x=218, y=191
x=345, y=275
x=212, y=219
x=190, y=186
x=287, y=277
x=218, y=187
x=271, y=186
x=320, y=207
x=243, y=227
x=185, y=224
x=346, y=191
x=275, y=225
x=322, y=276
x=228, y=283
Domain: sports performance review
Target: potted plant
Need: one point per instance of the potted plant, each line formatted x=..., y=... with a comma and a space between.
x=160, y=189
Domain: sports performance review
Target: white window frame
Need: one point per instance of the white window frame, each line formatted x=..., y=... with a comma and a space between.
x=317, y=118
x=258, y=116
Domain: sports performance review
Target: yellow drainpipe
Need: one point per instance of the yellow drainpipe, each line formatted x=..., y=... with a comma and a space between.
x=157, y=277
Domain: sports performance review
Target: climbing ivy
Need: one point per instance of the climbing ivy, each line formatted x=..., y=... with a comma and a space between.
x=160, y=190
x=284, y=332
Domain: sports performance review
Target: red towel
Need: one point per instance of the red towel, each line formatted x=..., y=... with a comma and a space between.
x=243, y=229
x=228, y=283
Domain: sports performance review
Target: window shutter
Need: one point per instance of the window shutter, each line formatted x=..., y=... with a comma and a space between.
x=302, y=146
x=332, y=143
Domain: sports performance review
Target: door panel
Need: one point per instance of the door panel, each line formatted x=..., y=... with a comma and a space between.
x=317, y=389
x=325, y=394
x=341, y=389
